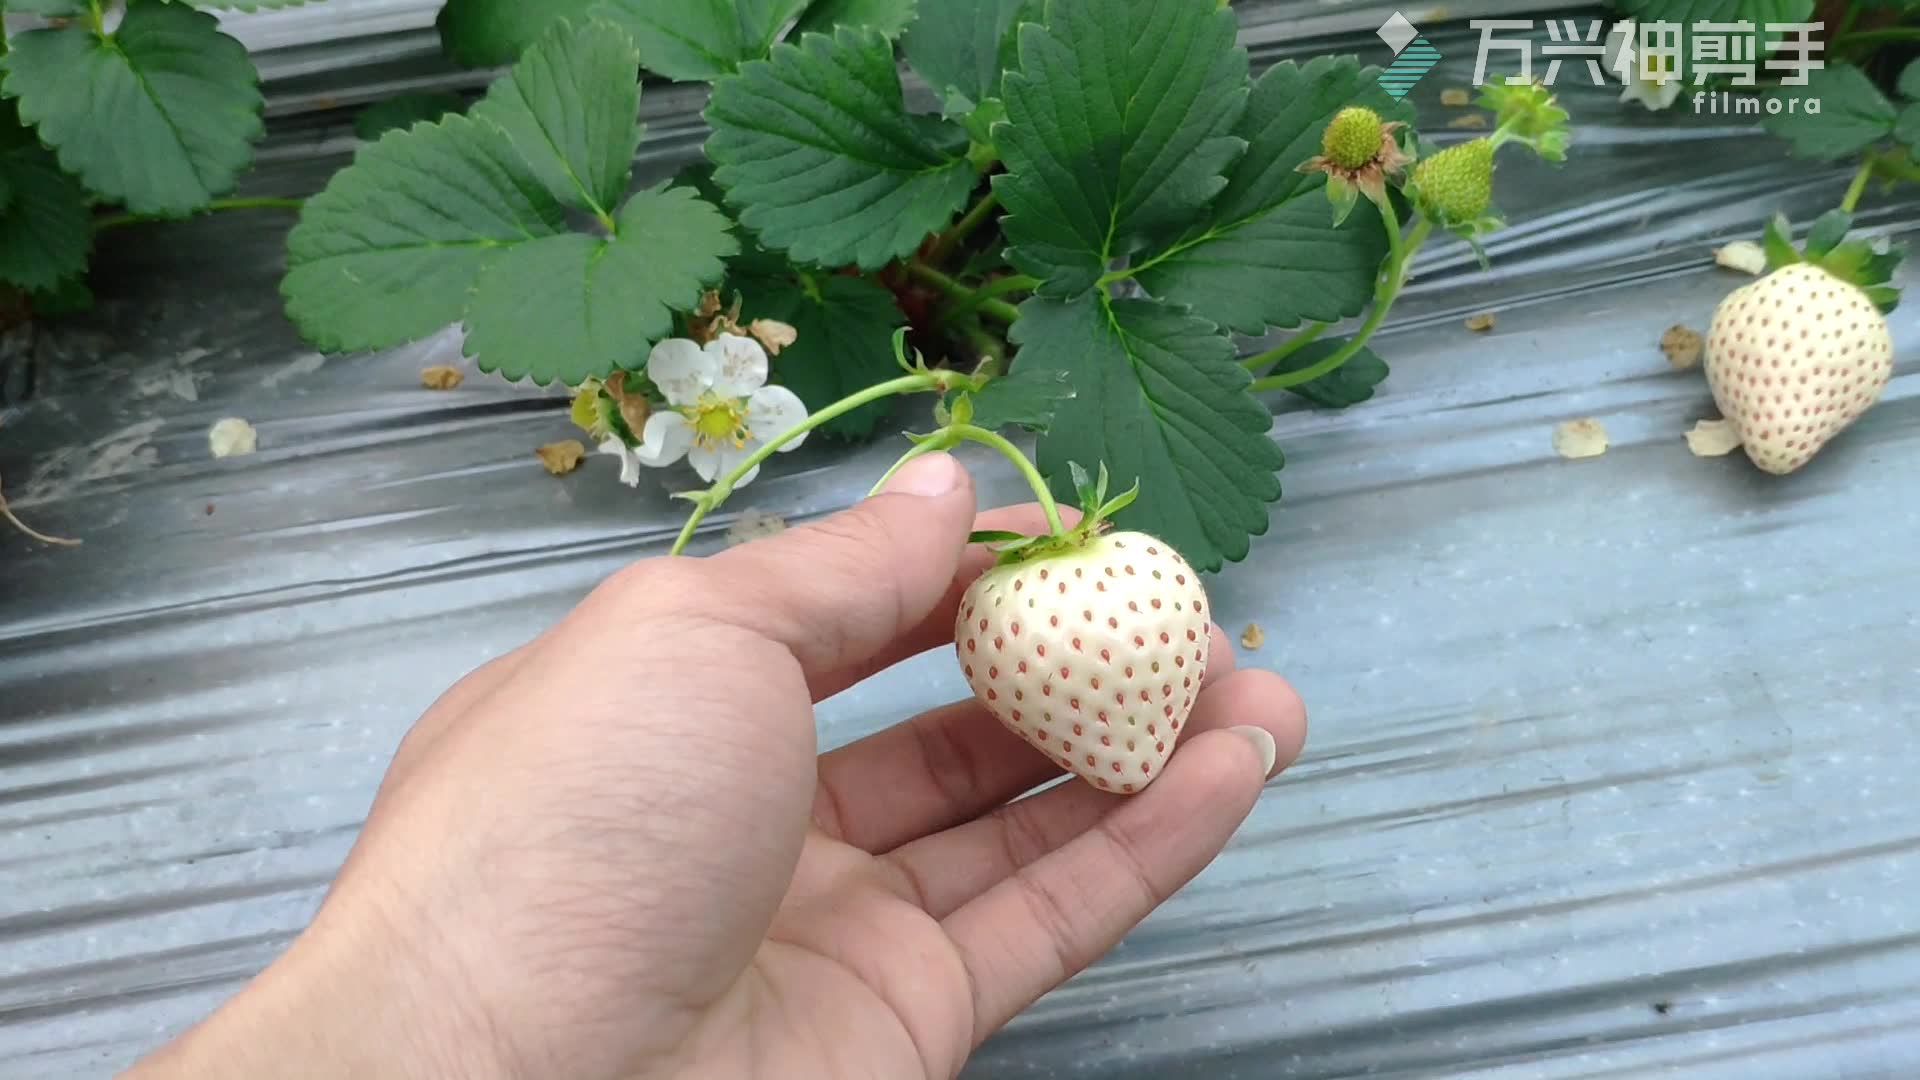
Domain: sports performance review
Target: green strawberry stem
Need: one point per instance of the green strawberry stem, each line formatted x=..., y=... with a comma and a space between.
x=1286, y=348
x=1385, y=291
x=968, y=298
x=114, y=221
x=1859, y=185
x=943, y=245
x=954, y=434
x=705, y=502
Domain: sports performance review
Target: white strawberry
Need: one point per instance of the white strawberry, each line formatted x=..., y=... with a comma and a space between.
x=1799, y=355
x=1093, y=653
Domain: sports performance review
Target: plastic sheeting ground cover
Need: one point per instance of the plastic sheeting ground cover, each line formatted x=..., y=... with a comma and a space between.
x=1610, y=770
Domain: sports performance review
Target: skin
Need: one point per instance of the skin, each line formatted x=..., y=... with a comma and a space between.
x=618, y=853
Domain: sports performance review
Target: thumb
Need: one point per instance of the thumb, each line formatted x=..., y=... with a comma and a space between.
x=838, y=591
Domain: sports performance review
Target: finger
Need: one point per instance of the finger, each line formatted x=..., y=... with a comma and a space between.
x=837, y=592
x=946, y=766
x=937, y=628
x=1033, y=931
x=944, y=871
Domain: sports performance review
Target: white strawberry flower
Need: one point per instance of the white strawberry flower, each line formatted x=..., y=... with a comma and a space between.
x=720, y=410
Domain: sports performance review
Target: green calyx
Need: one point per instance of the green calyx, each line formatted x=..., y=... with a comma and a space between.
x=1455, y=186
x=1867, y=264
x=1352, y=138
x=1527, y=114
x=1096, y=512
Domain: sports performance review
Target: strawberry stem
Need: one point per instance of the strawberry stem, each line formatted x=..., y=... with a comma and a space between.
x=1859, y=185
x=922, y=381
x=1387, y=289
x=954, y=434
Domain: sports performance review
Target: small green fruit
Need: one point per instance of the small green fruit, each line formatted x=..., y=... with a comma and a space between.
x=1353, y=137
x=1456, y=184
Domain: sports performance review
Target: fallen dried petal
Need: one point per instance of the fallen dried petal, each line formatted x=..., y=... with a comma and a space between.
x=1682, y=346
x=1456, y=96
x=1742, y=255
x=1252, y=637
x=442, y=377
x=562, y=458
x=751, y=525
x=1465, y=121
x=1713, y=438
x=1583, y=438
x=1480, y=323
x=774, y=335
x=232, y=437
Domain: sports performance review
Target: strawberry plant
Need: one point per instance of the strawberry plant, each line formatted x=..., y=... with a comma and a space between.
x=1101, y=201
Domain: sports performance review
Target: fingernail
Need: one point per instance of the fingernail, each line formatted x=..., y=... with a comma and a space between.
x=934, y=474
x=1263, y=741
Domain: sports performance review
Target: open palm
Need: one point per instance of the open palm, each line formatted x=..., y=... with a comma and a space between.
x=617, y=852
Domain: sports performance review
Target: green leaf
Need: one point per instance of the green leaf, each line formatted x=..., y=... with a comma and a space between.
x=1027, y=399
x=1686, y=14
x=1909, y=84
x=463, y=220
x=493, y=33
x=70, y=296
x=701, y=40
x=752, y=259
x=816, y=150
x=1161, y=400
x=576, y=306
x=887, y=16
x=1907, y=129
x=1268, y=253
x=963, y=46
x=390, y=250
x=845, y=341
x=1119, y=125
x=404, y=111
x=46, y=233
x=1827, y=231
x=183, y=99
x=1349, y=384
x=1853, y=113
x=569, y=108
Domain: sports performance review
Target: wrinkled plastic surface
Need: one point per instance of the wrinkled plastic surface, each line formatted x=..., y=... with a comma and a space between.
x=1611, y=763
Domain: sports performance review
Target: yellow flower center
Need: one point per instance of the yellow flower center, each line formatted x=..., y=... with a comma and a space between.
x=717, y=420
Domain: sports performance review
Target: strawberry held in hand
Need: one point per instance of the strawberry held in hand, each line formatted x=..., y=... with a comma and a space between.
x=1796, y=357
x=1090, y=645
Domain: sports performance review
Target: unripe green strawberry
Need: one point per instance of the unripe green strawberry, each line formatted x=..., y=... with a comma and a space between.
x=1352, y=138
x=1456, y=184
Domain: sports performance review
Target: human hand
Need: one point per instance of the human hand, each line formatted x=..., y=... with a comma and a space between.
x=616, y=851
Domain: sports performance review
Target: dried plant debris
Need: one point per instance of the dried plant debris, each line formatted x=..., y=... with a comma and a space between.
x=232, y=437
x=7, y=513
x=1480, y=323
x=1742, y=255
x=1456, y=97
x=1583, y=438
x=1469, y=121
x=753, y=525
x=442, y=377
x=1682, y=346
x=1252, y=637
x=561, y=458
x=1713, y=438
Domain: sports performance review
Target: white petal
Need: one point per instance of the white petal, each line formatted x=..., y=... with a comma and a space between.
x=705, y=461
x=629, y=462
x=772, y=412
x=665, y=439
x=681, y=370
x=731, y=458
x=740, y=365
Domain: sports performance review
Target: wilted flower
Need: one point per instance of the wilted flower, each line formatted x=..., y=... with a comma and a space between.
x=1358, y=153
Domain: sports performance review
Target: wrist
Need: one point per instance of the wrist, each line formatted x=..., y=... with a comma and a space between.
x=348, y=999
